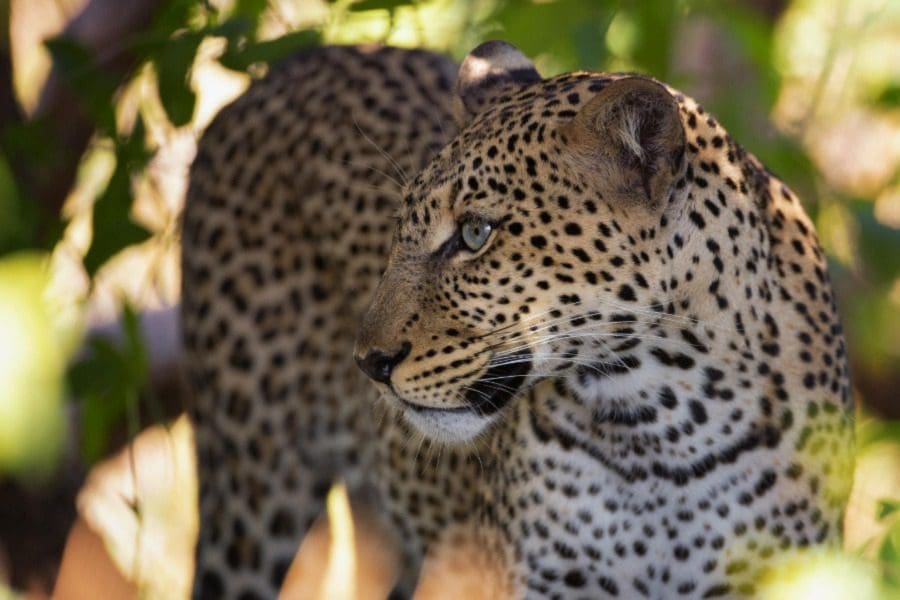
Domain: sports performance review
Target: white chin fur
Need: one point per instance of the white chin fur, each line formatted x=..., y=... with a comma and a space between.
x=447, y=426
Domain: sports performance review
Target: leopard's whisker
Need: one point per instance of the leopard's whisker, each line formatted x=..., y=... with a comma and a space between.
x=400, y=172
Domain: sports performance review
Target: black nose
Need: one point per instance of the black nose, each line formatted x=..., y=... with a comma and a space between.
x=379, y=364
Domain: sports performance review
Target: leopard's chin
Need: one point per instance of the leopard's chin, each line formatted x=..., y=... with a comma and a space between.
x=449, y=425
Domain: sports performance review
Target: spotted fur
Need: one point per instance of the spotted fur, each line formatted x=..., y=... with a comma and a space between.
x=637, y=387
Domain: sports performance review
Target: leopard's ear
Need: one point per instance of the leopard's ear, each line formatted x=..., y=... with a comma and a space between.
x=488, y=70
x=631, y=135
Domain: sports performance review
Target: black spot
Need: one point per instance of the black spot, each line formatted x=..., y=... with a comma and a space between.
x=626, y=293
x=279, y=571
x=682, y=361
x=809, y=381
x=765, y=482
x=717, y=591
x=697, y=218
x=608, y=585
x=667, y=397
x=211, y=585
x=282, y=524
x=698, y=412
x=686, y=588
x=574, y=579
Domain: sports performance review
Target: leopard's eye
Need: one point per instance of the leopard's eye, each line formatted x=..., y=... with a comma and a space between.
x=475, y=233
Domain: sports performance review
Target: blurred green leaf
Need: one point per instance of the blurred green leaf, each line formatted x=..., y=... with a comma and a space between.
x=391, y=5
x=874, y=330
x=244, y=19
x=100, y=384
x=109, y=382
x=93, y=87
x=578, y=28
x=879, y=245
x=818, y=574
x=783, y=156
x=250, y=9
x=32, y=140
x=889, y=97
x=173, y=65
x=240, y=58
x=25, y=223
x=874, y=431
x=656, y=31
x=113, y=228
x=886, y=508
x=137, y=359
x=754, y=35
x=889, y=555
x=173, y=16
x=33, y=352
x=16, y=221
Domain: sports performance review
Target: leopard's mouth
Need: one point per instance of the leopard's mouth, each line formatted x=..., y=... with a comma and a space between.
x=422, y=409
x=489, y=393
x=499, y=383
x=485, y=397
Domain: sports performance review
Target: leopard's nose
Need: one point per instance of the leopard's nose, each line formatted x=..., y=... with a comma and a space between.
x=379, y=364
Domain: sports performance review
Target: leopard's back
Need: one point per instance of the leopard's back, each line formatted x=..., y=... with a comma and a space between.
x=286, y=228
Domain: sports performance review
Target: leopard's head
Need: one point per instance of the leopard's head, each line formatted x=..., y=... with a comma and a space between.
x=529, y=246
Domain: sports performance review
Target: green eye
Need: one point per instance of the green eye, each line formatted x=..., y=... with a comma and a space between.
x=476, y=233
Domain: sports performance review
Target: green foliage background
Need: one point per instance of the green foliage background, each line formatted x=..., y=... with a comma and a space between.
x=111, y=380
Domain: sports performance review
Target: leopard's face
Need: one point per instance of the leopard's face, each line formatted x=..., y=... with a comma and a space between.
x=524, y=251
x=453, y=301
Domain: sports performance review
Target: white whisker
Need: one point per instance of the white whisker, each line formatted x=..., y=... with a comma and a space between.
x=394, y=163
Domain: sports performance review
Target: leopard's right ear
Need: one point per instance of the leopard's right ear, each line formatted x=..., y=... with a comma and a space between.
x=487, y=71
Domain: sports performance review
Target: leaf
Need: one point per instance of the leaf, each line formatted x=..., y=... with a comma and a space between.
x=875, y=431
x=889, y=97
x=578, y=28
x=93, y=87
x=34, y=357
x=16, y=221
x=886, y=508
x=653, y=47
x=32, y=140
x=172, y=16
x=240, y=58
x=100, y=383
x=889, y=555
x=390, y=5
x=251, y=10
x=109, y=382
x=879, y=245
x=113, y=228
x=590, y=48
x=26, y=223
x=173, y=66
x=754, y=35
x=135, y=353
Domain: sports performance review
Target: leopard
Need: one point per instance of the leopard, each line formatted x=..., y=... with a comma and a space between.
x=566, y=327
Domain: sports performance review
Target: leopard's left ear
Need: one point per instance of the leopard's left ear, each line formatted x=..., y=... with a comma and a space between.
x=486, y=71
x=630, y=134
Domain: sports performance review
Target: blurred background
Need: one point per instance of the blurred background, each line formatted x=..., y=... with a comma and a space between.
x=102, y=101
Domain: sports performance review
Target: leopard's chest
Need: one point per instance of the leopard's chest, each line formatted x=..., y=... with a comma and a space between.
x=578, y=519
x=572, y=507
